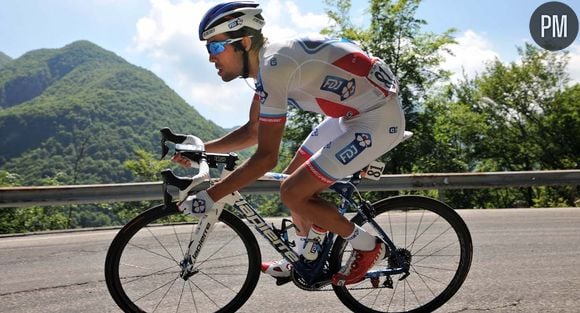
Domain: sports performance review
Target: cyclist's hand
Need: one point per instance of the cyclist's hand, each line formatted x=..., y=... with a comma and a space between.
x=181, y=160
x=197, y=204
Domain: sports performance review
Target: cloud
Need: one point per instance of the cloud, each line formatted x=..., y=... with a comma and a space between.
x=470, y=55
x=167, y=35
x=473, y=51
x=574, y=63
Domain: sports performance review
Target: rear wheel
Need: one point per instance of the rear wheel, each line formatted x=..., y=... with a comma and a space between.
x=142, y=268
x=435, y=242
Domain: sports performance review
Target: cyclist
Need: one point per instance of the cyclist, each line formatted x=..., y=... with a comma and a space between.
x=356, y=92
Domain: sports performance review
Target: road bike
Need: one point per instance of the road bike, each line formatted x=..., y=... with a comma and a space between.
x=166, y=261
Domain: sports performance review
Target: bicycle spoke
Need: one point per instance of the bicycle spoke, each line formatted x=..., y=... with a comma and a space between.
x=412, y=291
x=162, y=245
x=433, y=243
x=427, y=276
x=143, y=274
x=192, y=297
x=391, y=227
x=433, y=240
x=138, y=277
x=423, y=232
x=393, y=295
x=367, y=294
x=164, y=295
x=205, y=294
x=153, y=252
x=405, y=231
x=215, y=252
x=180, y=297
x=434, y=253
x=178, y=241
x=377, y=297
x=410, y=248
x=217, y=281
x=171, y=281
x=436, y=268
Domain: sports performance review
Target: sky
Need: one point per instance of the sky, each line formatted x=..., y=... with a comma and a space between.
x=161, y=36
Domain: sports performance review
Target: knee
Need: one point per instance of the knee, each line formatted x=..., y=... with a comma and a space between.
x=286, y=193
x=292, y=197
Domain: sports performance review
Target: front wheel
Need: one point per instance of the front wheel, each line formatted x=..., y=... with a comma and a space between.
x=142, y=268
x=435, y=242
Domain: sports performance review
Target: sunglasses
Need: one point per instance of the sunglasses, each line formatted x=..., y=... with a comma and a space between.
x=217, y=47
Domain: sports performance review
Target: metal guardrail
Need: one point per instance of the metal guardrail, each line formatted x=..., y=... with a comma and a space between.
x=61, y=195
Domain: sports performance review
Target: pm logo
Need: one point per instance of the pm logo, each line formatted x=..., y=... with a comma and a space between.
x=340, y=86
x=353, y=149
x=554, y=26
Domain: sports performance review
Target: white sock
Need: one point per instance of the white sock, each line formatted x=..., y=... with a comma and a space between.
x=361, y=240
x=300, y=243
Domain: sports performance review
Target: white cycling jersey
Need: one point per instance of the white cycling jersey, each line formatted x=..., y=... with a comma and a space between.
x=331, y=76
x=335, y=77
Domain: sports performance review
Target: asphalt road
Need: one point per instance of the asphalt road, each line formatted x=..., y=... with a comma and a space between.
x=525, y=260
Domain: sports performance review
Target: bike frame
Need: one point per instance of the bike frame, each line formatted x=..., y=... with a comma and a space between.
x=311, y=272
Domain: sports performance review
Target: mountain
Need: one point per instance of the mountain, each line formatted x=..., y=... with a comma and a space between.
x=75, y=114
x=4, y=59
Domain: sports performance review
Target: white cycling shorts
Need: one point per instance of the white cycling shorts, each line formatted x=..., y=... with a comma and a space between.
x=339, y=147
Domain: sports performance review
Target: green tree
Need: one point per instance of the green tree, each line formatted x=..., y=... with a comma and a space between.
x=8, y=179
x=146, y=167
x=395, y=35
x=522, y=103
x=519, y=116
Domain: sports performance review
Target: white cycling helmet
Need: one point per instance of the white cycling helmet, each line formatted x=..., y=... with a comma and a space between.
x=245, y=16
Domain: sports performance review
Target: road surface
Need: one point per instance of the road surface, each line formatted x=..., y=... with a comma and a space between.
x=525, y=260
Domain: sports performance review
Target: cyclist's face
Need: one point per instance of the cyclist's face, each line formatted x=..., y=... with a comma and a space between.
x=229, y=62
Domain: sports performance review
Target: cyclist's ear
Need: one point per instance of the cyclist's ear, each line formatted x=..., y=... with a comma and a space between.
x=247, y=43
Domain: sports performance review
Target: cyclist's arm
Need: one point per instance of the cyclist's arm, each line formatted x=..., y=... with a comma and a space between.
x=265, y=158
x=241, y=138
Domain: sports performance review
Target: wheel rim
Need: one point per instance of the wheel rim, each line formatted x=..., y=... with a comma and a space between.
x=149, y=269
x=436, y=253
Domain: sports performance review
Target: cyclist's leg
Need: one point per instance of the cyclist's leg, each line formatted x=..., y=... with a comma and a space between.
x=320, y=136
x=367, y=137
x=360, y=140
x=299, y=193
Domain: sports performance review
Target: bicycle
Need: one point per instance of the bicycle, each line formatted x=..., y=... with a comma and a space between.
x=164, y=260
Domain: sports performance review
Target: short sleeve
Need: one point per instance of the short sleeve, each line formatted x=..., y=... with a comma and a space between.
x=272, y=87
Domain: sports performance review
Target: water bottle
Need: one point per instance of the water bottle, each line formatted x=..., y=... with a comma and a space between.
x=314, y=241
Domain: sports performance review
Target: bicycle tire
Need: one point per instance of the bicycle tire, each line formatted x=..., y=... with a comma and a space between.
x=142, y=264
x=441, y=251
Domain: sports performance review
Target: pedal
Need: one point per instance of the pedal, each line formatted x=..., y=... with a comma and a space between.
x=282, y=280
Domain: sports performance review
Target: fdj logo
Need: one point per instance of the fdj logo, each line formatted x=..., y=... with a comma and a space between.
x=340, y=86
x=352, y=150
x=235, y=23
x=260, y=91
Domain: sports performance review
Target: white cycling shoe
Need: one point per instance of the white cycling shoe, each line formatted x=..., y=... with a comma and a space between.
x=277, y=269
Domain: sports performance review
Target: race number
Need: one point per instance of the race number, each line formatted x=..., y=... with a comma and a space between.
x=381, y=75
x=374, y=170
